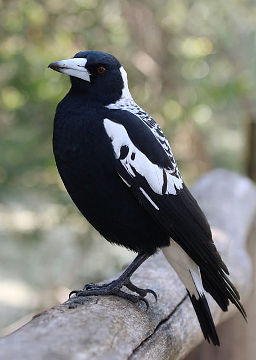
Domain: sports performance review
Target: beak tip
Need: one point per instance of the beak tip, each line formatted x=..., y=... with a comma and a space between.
x=52, y=66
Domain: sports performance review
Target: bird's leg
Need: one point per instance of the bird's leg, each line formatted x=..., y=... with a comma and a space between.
x=114, y=287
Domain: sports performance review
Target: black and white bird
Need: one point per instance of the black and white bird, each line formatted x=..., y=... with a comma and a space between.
x=119, y=170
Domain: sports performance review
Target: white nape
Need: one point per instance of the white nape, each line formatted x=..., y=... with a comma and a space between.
x=125, y=92
x=126, y=101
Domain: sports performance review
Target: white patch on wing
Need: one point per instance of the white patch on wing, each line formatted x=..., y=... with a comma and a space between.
x=149, y=199
x=127, y=103
x=135, y=159
x=187, y=270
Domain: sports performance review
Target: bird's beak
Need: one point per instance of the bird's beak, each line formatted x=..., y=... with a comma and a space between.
x=72, y=67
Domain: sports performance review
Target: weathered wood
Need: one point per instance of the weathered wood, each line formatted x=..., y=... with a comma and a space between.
x=112, y=328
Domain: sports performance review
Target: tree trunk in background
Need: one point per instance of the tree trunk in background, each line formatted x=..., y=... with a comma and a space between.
x=251, y=148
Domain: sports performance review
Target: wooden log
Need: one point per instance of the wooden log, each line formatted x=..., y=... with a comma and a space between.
x=115, y=329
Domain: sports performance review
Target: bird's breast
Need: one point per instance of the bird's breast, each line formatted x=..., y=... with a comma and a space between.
x=81, y=148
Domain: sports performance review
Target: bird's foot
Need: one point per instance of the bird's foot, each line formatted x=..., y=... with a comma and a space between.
x=114, y=288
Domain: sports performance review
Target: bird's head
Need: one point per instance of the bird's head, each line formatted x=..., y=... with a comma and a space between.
x=97, y=75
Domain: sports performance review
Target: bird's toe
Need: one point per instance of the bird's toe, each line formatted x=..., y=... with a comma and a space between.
x=130, y=297
x=149, y=291
x=139, y=291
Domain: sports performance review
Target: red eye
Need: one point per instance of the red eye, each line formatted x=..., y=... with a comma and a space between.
x=101, y=70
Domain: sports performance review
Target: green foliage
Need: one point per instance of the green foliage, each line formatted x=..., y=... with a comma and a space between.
x=187, y=62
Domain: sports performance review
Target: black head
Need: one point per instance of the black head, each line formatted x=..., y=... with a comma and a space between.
x=97, y=75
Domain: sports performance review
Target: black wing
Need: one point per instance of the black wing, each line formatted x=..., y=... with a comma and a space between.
x=144, y=165
x=151, y=174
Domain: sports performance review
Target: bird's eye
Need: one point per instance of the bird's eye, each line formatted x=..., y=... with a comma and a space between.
x=101, y=70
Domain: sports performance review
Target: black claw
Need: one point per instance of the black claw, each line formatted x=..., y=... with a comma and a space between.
x=141, y=298
x=152, y=292
x=78, y=293
x=73, y=292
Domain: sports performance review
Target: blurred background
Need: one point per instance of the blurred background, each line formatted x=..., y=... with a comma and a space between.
x=191, y=65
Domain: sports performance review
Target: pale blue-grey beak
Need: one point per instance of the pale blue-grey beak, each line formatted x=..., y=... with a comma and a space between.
x=72, y=67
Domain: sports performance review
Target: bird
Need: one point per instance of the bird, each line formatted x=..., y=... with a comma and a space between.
x=119, y=170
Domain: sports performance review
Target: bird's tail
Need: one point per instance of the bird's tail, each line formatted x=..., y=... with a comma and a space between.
x=189, y=273
x=205, y=319
x=221, y=289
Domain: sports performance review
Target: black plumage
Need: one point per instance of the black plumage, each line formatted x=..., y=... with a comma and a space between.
x=118, y=168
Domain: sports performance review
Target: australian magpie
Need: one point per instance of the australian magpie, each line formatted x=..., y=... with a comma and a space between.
x=119, y=170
